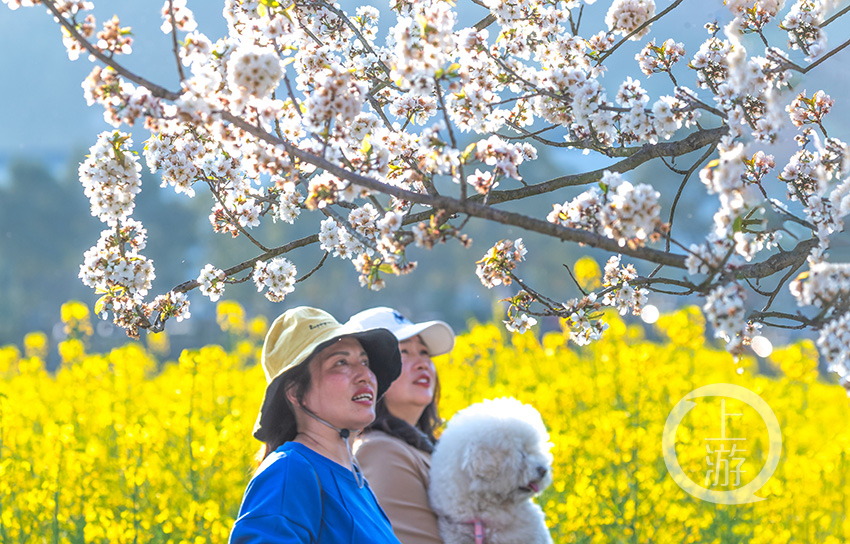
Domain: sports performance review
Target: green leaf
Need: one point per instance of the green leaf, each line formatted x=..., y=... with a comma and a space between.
x=467, y=152
x=98, y=306
x=738, y=225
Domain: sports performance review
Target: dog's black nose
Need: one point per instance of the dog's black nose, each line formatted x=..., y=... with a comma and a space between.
x=541, y=471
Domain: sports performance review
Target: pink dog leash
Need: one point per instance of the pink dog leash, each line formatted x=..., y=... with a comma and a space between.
x=478, y=527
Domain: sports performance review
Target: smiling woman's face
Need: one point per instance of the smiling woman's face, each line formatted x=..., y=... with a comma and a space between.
x=343, y=388
x=413, y=390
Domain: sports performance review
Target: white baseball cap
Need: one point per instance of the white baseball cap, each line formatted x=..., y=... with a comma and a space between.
x=437, y=335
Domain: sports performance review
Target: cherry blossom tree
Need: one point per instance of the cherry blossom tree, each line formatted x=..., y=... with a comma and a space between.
x=401, y=137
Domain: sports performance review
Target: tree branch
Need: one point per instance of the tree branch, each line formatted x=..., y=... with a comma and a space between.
x=648, y=152
x=768, y=267
x=468, y=207
x=187, y=286
x=774, y=263
x=835, y=16
x=156, y=90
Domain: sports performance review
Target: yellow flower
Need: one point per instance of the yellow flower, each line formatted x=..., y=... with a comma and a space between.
x=230, y=316
x=164, y=455
x=35, y=345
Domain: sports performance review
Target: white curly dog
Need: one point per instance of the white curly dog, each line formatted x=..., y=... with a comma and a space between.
x=488, y=464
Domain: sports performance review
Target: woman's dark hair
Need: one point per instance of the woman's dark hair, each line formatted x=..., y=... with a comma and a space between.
x=284, y=429
x=421, y=436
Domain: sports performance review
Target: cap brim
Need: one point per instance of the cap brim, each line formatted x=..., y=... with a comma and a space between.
x=380, y=345
x=437, y=335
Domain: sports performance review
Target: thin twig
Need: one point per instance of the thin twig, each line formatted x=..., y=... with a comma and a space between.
x=233, y=220
x=690, y=172
x=525, y=133
x=781, y=283
x=439, y=92
x=616, y=46
x=570, y=272
x=174, y=43
x=803, y=320
x=317, y=267
x=788, y=65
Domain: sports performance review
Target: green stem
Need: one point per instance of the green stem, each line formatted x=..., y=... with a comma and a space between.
x=56, y=495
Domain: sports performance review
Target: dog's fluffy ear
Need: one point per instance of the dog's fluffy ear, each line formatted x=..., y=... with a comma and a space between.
x=480, y=463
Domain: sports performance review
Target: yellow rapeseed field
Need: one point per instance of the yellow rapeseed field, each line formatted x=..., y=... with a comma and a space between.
x=122, y=448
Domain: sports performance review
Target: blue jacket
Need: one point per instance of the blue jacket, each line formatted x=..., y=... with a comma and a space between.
x=298, y=495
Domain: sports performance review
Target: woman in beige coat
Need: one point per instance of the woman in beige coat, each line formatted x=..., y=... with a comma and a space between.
x=395, y=450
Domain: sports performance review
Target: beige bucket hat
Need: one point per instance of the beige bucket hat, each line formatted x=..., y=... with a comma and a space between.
x=299, y=333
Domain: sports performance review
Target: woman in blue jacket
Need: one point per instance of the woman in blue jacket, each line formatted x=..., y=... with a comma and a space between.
x=323, y=381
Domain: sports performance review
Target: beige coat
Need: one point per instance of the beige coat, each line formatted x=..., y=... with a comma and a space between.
x=399, y=474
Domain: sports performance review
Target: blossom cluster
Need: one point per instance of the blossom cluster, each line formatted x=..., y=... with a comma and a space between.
x=803, y=24
x=520, y=322
x=289, y=202
x=711, y=62
x=368, y=240
x=653, y=59
x=115, y=263
x=423, y=42
x=622, y=295
x=110, y=176
x=182, y=16
x=808, y=177
x=496, y=266
x=253, y=71
x=584, y=320
x=708, y=256
x=804, y=110
x=730, y=179
x=169, y=305
x=834, y=344
x=823, y=285
x=276, y=277
x=504, y=157
x=724, y=307
x=211, y=281
x=85, y=28
x=627, y=16
x=337, y=96
x=803, y=175
x=483, y=182
x=114, y=38
x=122, y=102
x=620, y=210
x=116, y=268
x=754, y=17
